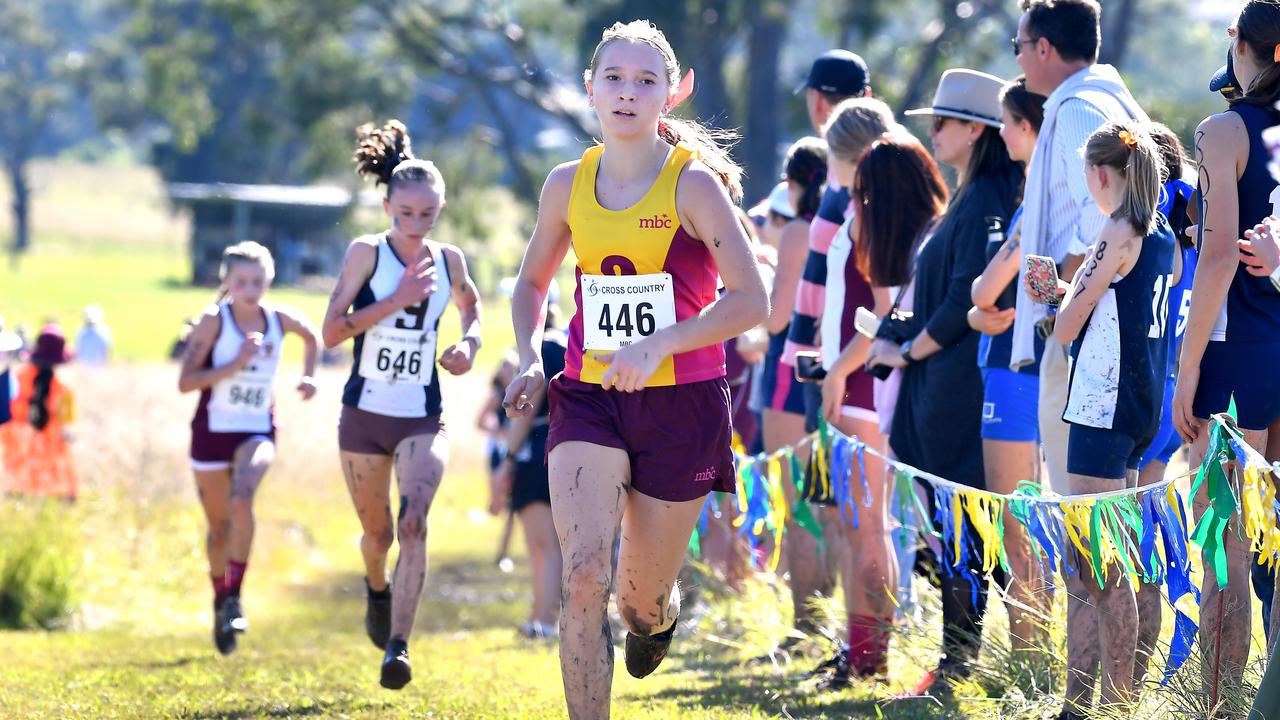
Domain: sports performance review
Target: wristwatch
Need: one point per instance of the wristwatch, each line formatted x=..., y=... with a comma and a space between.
x=906, y=352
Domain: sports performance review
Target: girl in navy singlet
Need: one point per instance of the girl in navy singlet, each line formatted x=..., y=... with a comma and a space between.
x=231, y=358
x=1231, y=346
x=1116, y=319
x=391, y=293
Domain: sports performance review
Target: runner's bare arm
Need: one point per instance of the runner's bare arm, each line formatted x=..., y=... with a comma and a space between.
x=194, y=375
x=340, y=325
x=547, y=249
x=1000, y=271
x=293, y=321
x=458, y=358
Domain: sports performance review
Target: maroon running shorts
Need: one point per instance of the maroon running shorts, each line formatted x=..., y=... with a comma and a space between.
x=216, y=450
x=678, y=437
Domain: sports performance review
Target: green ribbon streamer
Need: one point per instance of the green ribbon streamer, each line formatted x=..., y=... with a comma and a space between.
x=800, y=509
x=1212, y=526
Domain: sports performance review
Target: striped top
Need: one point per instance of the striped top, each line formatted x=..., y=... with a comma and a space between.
x=644, y=239
x=812, y=292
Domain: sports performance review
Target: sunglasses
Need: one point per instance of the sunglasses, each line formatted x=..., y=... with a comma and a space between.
x=940, y=121
x=1017, y=44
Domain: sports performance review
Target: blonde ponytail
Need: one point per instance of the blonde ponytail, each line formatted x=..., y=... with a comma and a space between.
x=1127, y=147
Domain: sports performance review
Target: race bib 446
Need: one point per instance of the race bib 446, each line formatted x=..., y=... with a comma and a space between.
x=618, y=310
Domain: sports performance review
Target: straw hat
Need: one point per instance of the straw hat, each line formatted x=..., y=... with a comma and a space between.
x=966, y=95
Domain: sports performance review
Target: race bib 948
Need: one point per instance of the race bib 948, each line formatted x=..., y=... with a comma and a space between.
x=618, y=310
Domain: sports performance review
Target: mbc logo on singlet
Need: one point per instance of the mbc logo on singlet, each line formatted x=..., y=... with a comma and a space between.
x=657, y=222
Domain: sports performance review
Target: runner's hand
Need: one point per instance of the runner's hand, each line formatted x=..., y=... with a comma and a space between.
x=632, y=366
x=248, y=349
x=518, y=399
x=416, y=284
x=307, y=388
x=457, y=358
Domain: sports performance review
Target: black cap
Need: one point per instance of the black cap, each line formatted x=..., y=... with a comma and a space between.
x=838, y=72
x=1224, y=81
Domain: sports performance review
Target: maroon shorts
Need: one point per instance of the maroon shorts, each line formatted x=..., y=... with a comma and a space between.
x=361, y=431
x=678, y=437
x=216, y=450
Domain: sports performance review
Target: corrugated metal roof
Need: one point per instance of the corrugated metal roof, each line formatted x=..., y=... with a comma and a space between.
x=313, y=196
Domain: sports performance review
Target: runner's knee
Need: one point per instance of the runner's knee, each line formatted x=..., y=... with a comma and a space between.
x=587, y=577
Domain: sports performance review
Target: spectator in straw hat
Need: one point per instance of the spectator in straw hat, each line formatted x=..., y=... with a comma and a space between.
x=37, y=456
x=10, y=344
x=936, y=346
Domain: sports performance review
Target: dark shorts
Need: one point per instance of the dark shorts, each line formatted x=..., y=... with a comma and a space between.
x=360, y=431
x=678, y=437
x=216, y=450
x=1103, y=453
x=1248, y=371
x=530, y=484
x=782, y=392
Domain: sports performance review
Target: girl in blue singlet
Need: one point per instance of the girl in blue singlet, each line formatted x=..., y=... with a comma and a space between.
x=1231, y=347
x=1115, y=317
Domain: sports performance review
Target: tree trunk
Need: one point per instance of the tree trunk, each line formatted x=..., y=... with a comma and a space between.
x=1115, y=38
x=768, y=21
x=709, y=33
x=17, y=167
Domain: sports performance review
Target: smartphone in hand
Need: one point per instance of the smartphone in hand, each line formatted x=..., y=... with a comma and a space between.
x=809, y=366
x=1042, y=280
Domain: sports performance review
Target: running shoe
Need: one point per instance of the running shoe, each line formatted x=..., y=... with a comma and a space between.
x=838, y=663
x=377, y=616
x=645, y=652
x=223, y=638
x=234, y=617
x=395, y=665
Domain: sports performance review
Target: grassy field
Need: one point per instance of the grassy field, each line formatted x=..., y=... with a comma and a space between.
x=137, y=644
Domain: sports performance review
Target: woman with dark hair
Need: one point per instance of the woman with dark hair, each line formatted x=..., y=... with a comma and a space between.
x=940, y=352
x=37, y=456
x=1010, y=400
x=1231, y=345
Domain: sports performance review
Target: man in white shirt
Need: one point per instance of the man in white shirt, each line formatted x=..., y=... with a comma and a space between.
x=1057, y=48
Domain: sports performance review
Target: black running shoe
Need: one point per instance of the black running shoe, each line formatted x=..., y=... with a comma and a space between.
x=395, y=665
x=234, y=617
x=837, y=664
x=223, y=637
x=645, y=652
x=377, y=616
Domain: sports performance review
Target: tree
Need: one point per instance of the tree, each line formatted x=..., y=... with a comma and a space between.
x=33, y=88
x=246, y=90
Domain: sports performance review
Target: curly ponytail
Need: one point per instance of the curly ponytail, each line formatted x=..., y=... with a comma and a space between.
x=386, y=155
x=711, y=145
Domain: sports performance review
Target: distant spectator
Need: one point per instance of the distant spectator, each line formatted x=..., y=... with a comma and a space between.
x=10, y=344
x=37, y=456
x=93, y=344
